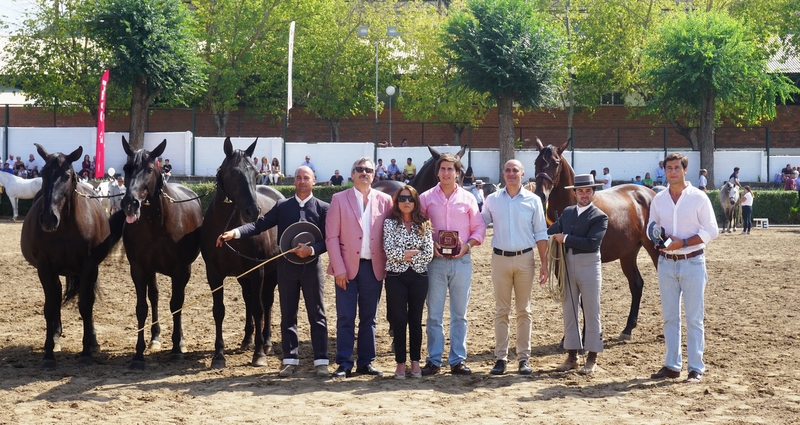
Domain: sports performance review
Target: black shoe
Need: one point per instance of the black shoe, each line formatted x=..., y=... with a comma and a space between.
x=430, y=369
x=368, y=370
x=525, y=367
x=460, y=369
x=342, y=372
x=499, y=368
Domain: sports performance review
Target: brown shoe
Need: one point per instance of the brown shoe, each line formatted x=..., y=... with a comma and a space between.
x=460, y=369
x=666, y=372
x=569, y=364
x=430, y=369
x=694, y=377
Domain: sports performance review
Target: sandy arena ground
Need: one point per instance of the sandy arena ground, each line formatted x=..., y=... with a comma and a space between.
x=752, y=330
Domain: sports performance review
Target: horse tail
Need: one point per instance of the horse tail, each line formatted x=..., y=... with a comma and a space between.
x=73, y=286
x=116, y=224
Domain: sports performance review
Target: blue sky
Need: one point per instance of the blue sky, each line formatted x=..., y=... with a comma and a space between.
x=13, y=11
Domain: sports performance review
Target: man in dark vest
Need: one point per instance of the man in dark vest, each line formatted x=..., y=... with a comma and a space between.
x=581, y=229
x=292, y=278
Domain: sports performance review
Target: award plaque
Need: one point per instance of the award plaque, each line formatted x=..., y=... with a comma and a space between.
x=449, y=243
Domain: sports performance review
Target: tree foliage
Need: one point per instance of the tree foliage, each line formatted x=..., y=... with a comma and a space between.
x=152, y=50
x=509, y=49
x=706, y=66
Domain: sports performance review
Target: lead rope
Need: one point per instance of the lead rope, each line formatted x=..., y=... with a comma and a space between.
x=556, y=260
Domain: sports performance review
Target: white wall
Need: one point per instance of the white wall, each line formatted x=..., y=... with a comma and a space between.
x=209, y=151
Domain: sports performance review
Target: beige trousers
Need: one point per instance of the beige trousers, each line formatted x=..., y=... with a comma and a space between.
x=513, y=274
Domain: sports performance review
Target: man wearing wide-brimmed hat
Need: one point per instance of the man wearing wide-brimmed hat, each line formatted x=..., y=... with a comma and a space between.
x=301, y=226
x=581, y=229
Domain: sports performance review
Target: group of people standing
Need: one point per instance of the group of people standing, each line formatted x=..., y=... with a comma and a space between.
x=421, y=244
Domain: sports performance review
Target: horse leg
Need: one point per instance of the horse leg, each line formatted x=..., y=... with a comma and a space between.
x=86, y=285
x=51, y=284
x=215, y=281
x=254, y=282
x=175, y=304
x=15, y=204
x=155, y=328
x=142, y=282
x=636, y=284
x=267, y=300
x=248, y=340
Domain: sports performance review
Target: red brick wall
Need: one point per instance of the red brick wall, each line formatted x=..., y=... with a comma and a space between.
x=610, y=127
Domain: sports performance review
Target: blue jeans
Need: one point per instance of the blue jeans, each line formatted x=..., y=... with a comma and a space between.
x=747, y=218
x=455, y=276
x=363, y=294
x=683, y=279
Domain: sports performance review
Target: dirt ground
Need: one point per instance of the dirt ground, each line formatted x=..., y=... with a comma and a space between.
x=752, y=330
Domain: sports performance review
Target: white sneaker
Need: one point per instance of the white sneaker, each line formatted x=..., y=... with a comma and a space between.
x=322, y=370
x=287, y=371
x=743, y=233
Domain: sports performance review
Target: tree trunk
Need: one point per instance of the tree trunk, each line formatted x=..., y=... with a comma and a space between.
x=458, y=130
x=505, y=114
x=221, y=120
x=707, y=114
x=140, y=101
x=333, y=125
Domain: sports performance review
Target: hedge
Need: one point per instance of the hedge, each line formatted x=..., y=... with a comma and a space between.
x=779, y=206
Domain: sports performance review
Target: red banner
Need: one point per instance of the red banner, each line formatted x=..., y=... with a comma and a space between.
x=100, y=150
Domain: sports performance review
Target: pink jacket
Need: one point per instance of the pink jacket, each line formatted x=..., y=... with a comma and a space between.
x=343, y=233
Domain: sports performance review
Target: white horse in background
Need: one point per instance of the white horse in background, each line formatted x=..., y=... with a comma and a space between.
x=729, y=201
x=18, y=188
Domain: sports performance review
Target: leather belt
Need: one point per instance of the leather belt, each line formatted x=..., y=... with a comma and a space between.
x=511, y=253
x=676, y=257
x=364, y=259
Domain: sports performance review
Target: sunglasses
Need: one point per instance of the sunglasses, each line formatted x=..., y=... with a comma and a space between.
x=405, y=198
x=364, y=170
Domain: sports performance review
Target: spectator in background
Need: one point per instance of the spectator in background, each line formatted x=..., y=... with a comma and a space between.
x=307, y=163
x=788, y=172
x=469, y=177
x=477, y=192
x=702, y=182
x=274, y=170
x=32, y=167
x=86, y=167
x=10, y=161
x=409, y=170
x=789, y=184
x=606, y=180
x=255, y=162
x=92, y=167
x=394, y=171
x=7, y=168
x=660, y=174
x=380, y=170
x=734, y=178
x=594, y=174
x=336, y=179
x=166, y=170
x=638, y=180
x=263, y=170
x=385, y=144
x=115, y=193
x=797, y=183
x=404, y=142
x=19, y=168
x=747, y=210
x=648, y=182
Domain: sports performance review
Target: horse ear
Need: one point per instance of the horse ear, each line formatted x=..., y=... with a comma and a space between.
x=227, y=147
x=42, y=152
x=75, y=155
x=461, y=153
x=434, y=153
x=126, y=147
x=539, y=145
x=564, y=147
x=158, y=150
x=249, y=152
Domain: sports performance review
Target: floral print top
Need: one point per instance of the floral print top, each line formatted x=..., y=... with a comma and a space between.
x=396, y=239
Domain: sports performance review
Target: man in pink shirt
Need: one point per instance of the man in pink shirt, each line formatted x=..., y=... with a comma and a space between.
x=450, y=208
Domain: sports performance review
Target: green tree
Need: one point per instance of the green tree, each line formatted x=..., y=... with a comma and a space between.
x=54, y=63
x=509, y=50
x=430, y=88
x=707, y=66
x=153, y=51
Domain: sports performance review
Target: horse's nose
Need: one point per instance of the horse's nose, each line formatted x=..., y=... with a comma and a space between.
x=250, y=214
x=48, y=222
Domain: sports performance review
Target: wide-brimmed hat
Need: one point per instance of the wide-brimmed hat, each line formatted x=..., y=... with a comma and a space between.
x=299, y=233
x=584, y=180
x=478, y=182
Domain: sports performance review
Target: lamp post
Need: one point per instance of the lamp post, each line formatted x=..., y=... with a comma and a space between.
x=363, y=32
x=390, y=92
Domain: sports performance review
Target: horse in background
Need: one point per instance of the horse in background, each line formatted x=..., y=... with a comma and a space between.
x=18, y=188
x=426, y=178
x=161, y=235
x=729, y=201
x=239, y=200
x=66, y=233
x=628, y=210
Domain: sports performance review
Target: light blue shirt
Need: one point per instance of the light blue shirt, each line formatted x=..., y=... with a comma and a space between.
x=518, y=221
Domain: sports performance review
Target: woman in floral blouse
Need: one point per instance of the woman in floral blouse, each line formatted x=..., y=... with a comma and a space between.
x=408, y=242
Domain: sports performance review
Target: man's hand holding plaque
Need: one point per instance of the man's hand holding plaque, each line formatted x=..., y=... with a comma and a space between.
x=449, y=244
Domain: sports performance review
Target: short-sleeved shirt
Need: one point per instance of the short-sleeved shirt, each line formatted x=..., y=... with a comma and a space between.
x=410, y=169
x=337, y=180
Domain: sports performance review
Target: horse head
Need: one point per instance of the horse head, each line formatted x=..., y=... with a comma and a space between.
x=141, y=178
x=729, y=193
x=58, y=182
x=549, y=167
x=236, y=179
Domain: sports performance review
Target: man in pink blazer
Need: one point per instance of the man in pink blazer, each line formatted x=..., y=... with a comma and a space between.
x=354, y=238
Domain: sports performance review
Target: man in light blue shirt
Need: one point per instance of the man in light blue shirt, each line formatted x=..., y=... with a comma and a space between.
x=519, y=224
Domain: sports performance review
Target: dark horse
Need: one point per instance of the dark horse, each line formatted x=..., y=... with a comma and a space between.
x=628, y=210
x=161, y=235
x=426, y=177
x=66, y=234
x=237, y=202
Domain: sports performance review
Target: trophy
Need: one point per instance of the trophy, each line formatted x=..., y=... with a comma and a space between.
x=449, y=243
x=658, y=236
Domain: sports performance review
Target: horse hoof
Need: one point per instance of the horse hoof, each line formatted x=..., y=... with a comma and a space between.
x=154, y=346
x=95, y=348
x=247, y=345
x=259, y=360
x=624, y=337
x=136, y=365
x=183, y=348
x=268, y=350
x=218, y=362
x=48, y=364
x=176, y=357
x=57, y=348
x=84, y=361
